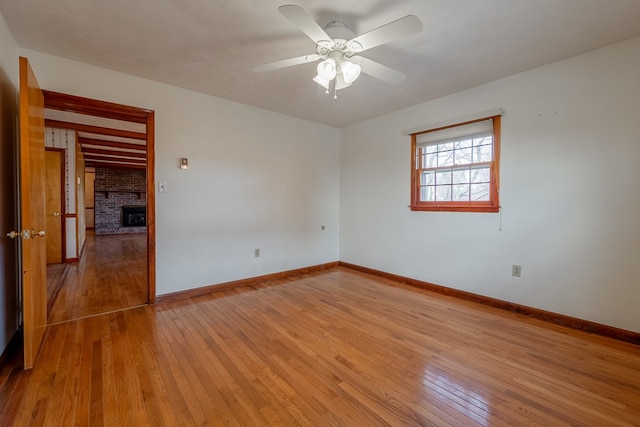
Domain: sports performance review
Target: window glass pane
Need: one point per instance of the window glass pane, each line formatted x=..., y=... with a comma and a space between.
x=488, y=140
x=479, y=192
x=431, y=160
x=464, y=156
x=460, y=193
x=443, y=177
x=431, y=148
x=428, y=178
x=445, y=147
x=480, y=175
x=443, y=193
x=463, y=144
x=483, y=154
x=460, y=176
x=445, y=158
x=428, y=194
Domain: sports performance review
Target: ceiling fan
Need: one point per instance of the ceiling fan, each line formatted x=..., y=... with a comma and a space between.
x=338, y=48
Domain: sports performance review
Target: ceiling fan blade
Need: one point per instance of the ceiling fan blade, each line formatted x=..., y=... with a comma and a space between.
x=394, y=30
x=304, y=22
x=379, y=71
x=284, y=63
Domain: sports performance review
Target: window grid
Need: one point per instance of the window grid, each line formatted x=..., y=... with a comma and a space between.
x=459, y=174
x=456, y=171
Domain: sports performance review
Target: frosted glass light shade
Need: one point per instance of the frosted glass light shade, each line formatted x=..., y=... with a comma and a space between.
x=327, y=69
x=350, y=71
x=321, y=81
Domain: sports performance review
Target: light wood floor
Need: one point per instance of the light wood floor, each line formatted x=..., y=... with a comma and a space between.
x=111, y=275
x=335, y=348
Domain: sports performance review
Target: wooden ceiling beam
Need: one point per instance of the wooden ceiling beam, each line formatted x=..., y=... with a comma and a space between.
x=114, y=152
x=104, y=165
x=114, y=144
x=79, y=127
x=101, y=158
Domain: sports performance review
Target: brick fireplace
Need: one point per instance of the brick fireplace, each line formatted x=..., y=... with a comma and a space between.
x=116, y=189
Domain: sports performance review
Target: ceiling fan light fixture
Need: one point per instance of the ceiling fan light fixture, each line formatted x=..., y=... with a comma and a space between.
x=337, y=48
x=327, y=69
x=354, y=46
x=350, y=71
x=322, y=81
x=341, y=83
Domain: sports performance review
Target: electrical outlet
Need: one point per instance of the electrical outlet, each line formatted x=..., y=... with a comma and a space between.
x=516, y=270
x=256, y=252
x=162, y=187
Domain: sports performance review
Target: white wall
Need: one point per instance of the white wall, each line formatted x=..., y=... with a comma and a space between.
x=256, y=179
x=570, y=192
x=8, y=220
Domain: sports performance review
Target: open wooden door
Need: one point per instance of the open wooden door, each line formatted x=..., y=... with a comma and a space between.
x=54, y=177
x=32, y=213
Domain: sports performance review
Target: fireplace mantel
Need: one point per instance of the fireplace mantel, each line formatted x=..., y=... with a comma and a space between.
x=106, y=192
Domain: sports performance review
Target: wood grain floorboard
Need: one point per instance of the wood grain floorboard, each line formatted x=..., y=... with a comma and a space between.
x=111, y=275
x=331, y=348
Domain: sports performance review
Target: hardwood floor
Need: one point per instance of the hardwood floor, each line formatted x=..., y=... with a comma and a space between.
x=111, y=275
x=337, y=348
x=55, y=279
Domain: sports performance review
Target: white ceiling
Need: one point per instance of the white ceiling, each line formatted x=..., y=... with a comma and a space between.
x=209, y=45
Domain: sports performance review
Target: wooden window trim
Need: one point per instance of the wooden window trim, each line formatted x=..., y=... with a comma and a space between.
x=492, y=205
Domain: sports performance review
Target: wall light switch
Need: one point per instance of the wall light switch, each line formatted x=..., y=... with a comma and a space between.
x=162, y=187
x=516, y=270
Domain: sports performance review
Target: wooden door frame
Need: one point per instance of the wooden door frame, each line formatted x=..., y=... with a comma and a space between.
x=63, y=198
x=104, y=109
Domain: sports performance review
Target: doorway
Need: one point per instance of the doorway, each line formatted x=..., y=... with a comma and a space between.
x=54, y=190
x=108, y=272
x=89, y=199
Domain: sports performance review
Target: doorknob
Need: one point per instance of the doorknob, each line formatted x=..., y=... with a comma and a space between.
x=57, y=213
x=35, y=233
x=25, y=234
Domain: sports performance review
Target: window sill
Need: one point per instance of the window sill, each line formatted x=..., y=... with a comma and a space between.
x=444, y=207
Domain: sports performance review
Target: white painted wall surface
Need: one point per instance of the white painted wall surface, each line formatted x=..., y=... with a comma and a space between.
x=9, y=83
x=569, y=187
x=570, y=191
x=71, y=225
x=256, y=179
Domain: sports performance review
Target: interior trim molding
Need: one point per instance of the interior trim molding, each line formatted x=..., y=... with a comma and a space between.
x=204, y=290
x=93, y=107
x=548, y=316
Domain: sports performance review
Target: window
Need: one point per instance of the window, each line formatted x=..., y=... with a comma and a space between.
x=455, y=168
